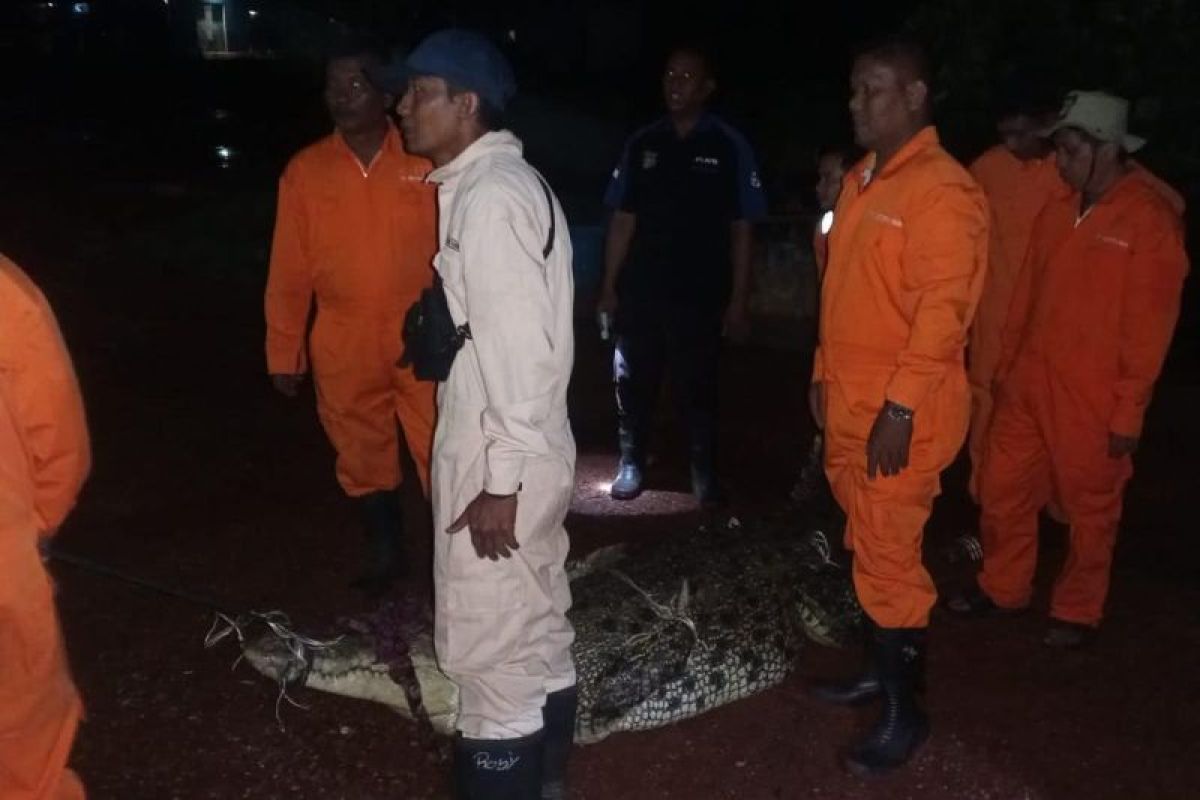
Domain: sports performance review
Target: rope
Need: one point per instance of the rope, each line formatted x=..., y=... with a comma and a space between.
x=676, y=612
x=300, y=648
x=53, y=553
x=225, y=622
x=820, y=543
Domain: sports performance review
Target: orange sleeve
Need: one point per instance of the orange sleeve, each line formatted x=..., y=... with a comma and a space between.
x=38, y=386
x=289, y=282
x=818, y=371
x=1148, y=316
x=940, y=265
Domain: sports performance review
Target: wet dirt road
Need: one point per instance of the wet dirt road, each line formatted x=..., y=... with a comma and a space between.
x=206, y=481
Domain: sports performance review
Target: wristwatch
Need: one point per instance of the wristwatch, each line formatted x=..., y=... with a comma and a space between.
x=898, y=412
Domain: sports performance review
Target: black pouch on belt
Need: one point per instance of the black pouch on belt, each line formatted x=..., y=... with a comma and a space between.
x=431, y=339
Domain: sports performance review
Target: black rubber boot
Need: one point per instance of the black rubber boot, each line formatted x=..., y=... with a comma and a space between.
x=384, y=530
x=902, y=726
x=559, y=717
x=974, y=602
x=857, y=690
x=627, y=485
x=498, y=769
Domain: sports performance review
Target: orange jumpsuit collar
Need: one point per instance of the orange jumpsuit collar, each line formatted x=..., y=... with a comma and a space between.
x=391, y=144
x=1111, y=195
x=923, y=139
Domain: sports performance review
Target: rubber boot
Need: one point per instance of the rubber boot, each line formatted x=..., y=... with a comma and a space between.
x=902, y=726
x=558, y=716
x=384, y=528
x=857, y=690
x=627, y=485
x=498, y=769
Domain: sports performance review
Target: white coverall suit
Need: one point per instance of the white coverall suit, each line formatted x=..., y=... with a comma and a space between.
x=501, y=631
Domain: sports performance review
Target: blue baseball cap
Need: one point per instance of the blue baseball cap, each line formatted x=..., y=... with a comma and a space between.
x=464, y=58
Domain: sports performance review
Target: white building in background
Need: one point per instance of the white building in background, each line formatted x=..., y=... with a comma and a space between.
x=259, y=28
x=217, y=28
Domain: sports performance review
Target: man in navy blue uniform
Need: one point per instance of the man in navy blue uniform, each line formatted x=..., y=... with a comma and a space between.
x=677, y=266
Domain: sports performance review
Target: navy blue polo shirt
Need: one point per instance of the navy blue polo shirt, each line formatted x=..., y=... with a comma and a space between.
x=685, y=193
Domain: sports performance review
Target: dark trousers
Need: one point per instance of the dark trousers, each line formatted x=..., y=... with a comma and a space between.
x=654, y=337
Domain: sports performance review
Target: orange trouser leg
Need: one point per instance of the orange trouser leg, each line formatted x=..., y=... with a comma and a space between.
x=886, y=516
x=416, y=409
x=884, y=527
x=1091, y=486
x=983, y=408
x=357, y=407
x=1014, y=484
x=39, y=709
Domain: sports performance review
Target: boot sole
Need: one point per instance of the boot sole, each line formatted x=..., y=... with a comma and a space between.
x=860, y=770
x=626, y=495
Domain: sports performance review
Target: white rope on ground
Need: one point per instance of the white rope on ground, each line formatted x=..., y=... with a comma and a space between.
x=676, y=612
x=820, y=543
x=300, y=648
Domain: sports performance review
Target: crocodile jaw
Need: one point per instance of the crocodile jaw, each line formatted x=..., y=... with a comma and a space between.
x=351, y=669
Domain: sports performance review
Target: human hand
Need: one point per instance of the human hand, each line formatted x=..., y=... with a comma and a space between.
x=888, y=444
x=492, y=522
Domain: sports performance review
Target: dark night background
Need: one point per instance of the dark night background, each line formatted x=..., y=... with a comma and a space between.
x=140, y=142
x=126, y=74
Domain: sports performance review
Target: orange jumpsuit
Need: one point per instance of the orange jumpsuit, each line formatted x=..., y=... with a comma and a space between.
x=907, y=257
x=361, y=239
x=1091, y=320
x=44, y=459
x=1016, y=191
x=1163, y=189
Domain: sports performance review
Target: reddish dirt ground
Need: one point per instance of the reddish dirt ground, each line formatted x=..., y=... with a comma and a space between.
x=206, y=481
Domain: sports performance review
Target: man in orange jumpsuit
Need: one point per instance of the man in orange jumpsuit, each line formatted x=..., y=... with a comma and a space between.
x=1090, y=324
x=907, y=257
x=44, y=459
x=356, y=228
x=1018, y=177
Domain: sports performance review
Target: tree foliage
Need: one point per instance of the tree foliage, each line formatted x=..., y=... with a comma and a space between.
x=1145, y=50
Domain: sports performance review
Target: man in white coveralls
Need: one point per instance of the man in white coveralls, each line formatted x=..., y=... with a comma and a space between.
x=503, y=454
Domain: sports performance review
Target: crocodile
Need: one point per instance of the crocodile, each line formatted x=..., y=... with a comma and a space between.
x=664, y=631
